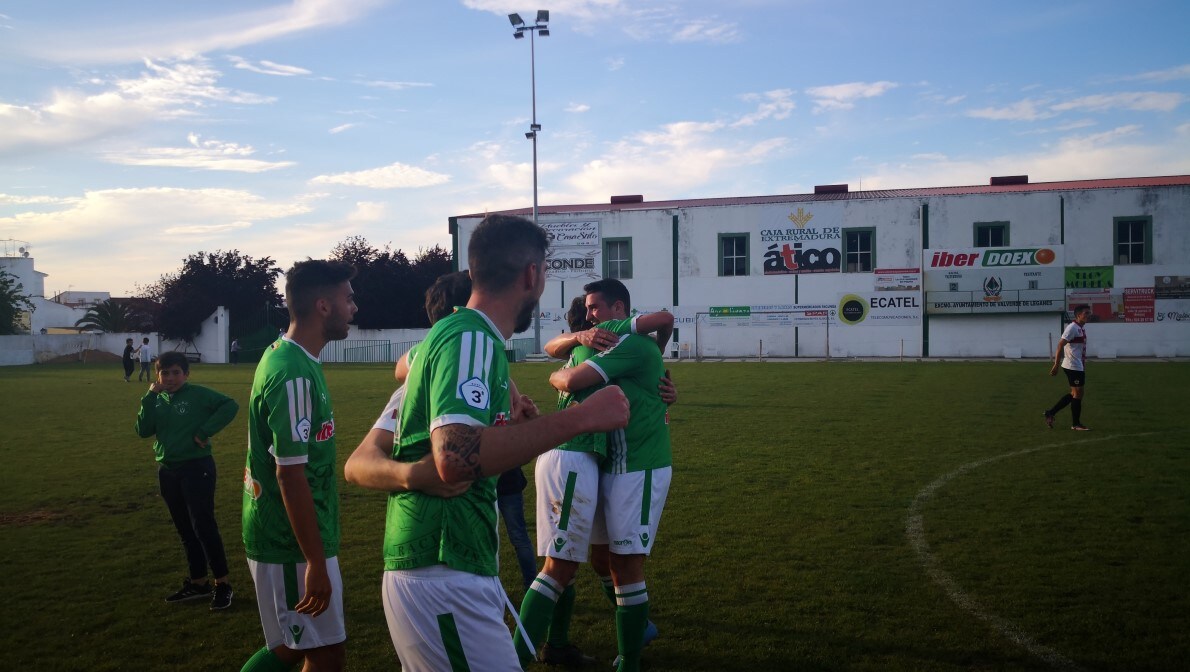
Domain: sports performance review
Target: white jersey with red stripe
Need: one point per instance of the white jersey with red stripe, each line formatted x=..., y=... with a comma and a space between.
x=1074, y=353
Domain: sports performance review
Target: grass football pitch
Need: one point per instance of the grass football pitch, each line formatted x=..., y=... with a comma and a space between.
x=823, y=516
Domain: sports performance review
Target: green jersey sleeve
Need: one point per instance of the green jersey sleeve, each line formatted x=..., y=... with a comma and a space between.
x=290, y=416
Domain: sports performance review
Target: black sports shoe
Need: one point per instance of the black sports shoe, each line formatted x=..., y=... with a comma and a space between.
x=190, y=591
x=1049, y=419
x=221, y=599
x=567, y=656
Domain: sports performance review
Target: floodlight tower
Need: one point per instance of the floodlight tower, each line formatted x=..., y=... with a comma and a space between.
x=540, y=26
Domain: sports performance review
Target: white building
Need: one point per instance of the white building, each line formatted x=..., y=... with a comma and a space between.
x=975, y=271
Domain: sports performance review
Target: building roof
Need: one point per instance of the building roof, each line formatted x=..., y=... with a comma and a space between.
x=1018, y=185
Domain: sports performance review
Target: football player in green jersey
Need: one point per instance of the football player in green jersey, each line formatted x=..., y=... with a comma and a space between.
x=291, y=506
x=636, y=474
x=567, y=482
x=442, y=595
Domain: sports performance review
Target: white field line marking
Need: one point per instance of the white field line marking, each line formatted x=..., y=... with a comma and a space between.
x=914, y=530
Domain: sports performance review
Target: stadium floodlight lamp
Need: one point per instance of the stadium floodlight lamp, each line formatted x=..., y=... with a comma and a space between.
x=543, y=16
x=544, y=32
x=516, y=19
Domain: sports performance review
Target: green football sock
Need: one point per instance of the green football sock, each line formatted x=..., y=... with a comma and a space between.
x=537, y=610
x=560, y=626
x=265, y=660
x=632, y=616
x=609, y=589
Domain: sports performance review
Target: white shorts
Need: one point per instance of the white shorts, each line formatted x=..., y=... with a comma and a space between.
x=444, y=619
x=567, y=496
x=630, y=507
x=278, y=590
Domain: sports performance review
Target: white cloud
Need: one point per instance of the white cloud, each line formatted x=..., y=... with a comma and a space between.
x=1025, y=110
x=166, y=90
x=393, y=86
x=616, y=63
x=1114, y=153
x=11, y=199
x=706, y=30
x=341, y=128
x=775, y=104
x=202, y=154
x=196, y=36
x=394, y=176
x=116, y=215
x=367, y=212
x=843, y=96
x=1170, y=74
x=578, y=108
x=674, y=160
x=1139, y=101
x=929, y=156
x=268, y=67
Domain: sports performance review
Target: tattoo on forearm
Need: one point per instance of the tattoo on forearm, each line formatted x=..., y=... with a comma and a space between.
x=460, y=450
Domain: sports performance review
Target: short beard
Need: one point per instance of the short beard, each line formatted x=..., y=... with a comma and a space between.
x=524, y=318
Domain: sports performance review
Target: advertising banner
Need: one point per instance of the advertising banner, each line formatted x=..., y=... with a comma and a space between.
x=772, y=315
x=1106, y=305
x=576, y=250
x=1138, y=304
x=1090, y=277
x=897, y=279
x=1173, y=311
x=888, y=309
x=807, y=240
x=1171, y=287
x=994, y=280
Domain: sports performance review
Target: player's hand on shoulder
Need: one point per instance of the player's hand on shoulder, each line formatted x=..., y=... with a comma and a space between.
x=599, y=339
x=606, y=409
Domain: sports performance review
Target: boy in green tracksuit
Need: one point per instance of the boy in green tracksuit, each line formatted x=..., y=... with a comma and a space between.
x=183, y=417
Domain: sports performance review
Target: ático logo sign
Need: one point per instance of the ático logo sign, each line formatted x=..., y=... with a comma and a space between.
x=1037, y=256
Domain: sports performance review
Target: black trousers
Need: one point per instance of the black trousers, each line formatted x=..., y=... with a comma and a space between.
x=189, y=491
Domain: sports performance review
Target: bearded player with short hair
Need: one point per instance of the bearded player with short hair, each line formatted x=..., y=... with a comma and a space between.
x=291, y=503
x=442, y=595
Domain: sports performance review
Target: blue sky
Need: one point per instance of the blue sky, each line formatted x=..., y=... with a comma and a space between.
x=136, y=132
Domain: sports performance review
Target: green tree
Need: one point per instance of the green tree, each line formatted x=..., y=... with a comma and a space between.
x=13, y=303
x=116, y=316
x=390, y=289
x=208, y=280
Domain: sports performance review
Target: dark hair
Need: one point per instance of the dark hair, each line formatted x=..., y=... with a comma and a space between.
x=1081, y=308
x=173, y=358
x=500, y=249
x=448, y=291
x=576, y=317
x=145, y=339
x=612, y=290
x=310, y=280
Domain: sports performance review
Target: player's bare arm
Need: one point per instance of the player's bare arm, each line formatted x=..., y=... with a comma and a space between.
x=660, y=324
x=576, y=378
x=371, y=467
x=299, y=506
x=401, y=371
x=465, y=452
x=560, y=346
x=1058, y=357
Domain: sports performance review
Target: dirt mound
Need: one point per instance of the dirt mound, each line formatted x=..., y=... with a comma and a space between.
x=88, y=356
